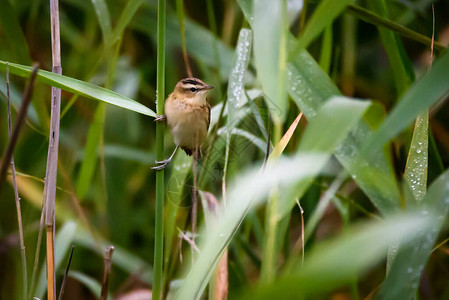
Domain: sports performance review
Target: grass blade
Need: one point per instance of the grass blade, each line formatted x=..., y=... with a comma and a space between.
x=236, y=90
x=337, y=117
x=309, y=87
x=408, y=265
x=415, y=176
x=125, y=18
x=104, y=20
x=425, y=92
x=370, y=17
x=81, y=88
x=249, y=190
x=270, y=46
x=400, y=64
x=334, y=263
x=324, y=15
x=92, y=284
x=244, y=194
x=89, y=163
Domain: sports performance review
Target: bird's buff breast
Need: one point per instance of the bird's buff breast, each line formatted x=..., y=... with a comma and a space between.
x=187, y=123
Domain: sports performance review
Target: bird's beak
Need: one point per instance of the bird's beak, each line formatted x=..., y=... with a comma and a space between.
x=208, y=87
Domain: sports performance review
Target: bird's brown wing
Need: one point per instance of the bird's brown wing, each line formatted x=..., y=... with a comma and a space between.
x=208, y=114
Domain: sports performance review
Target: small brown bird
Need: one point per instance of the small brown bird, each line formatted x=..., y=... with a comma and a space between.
x=188, y=115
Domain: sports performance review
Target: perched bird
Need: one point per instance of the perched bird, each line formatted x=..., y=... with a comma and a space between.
x=187, y=112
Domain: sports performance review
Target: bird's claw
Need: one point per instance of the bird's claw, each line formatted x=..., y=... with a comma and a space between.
x=160, y=118
x=161, y=164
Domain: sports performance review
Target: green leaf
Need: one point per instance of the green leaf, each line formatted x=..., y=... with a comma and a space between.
x=406, y=269
x=379, y=21
x=309, y=87
x=91, y=283
x=89, y=163
x=251, y=189
x=425, y=92
x=129, y=153
x=125, y=18
x=270, y=53
x=81, y=88
x=335, y=119
x=102, y=12
x=415, y=176
x=199, y=40
x=247, y=191
x=400, y=64
x=236, y=89
x=323, y=15
x=336, y=262
x=175, y=189
x=236, y=92
x=326, y=49
x=122, y=258
x=15, y=38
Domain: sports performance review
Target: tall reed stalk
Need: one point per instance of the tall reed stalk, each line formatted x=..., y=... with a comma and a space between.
x=52, y=158
x=159, y=228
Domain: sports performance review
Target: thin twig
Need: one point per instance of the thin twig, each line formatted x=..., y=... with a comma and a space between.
x=18, y=124
x=53, y=145
x=64, y=280
x=106, y=271
x=16, y=195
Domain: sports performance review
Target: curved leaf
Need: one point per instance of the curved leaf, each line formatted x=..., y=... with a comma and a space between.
x=81, y=88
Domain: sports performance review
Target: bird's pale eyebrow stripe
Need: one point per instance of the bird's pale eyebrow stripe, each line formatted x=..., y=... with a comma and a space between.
x=190, y=81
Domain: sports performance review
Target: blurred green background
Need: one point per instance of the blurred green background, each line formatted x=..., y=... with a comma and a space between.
x=106, y=188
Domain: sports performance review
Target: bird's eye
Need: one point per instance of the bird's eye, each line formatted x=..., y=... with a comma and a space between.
x=193, y=90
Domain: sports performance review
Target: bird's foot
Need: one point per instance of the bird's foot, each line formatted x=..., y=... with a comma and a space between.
x=161, y=118
x=161, y=164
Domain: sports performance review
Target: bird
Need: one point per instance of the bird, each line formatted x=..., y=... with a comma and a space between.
x=187, y=112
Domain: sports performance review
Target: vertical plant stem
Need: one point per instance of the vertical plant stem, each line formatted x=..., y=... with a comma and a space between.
x=16, y=196
x=269, y=251
x=159, y=234
x=272, y=220
x=106, y=271
x=52, y=158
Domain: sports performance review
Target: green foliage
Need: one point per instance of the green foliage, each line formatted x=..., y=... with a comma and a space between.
x=368, y=185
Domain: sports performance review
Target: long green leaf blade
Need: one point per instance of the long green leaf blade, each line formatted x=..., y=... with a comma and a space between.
x=309, y=87
x=405, y=271
x=323, y=16
x=415, y=176
x=334, y=263
x=425, y=92
x=81, y=88
x=270, y=43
